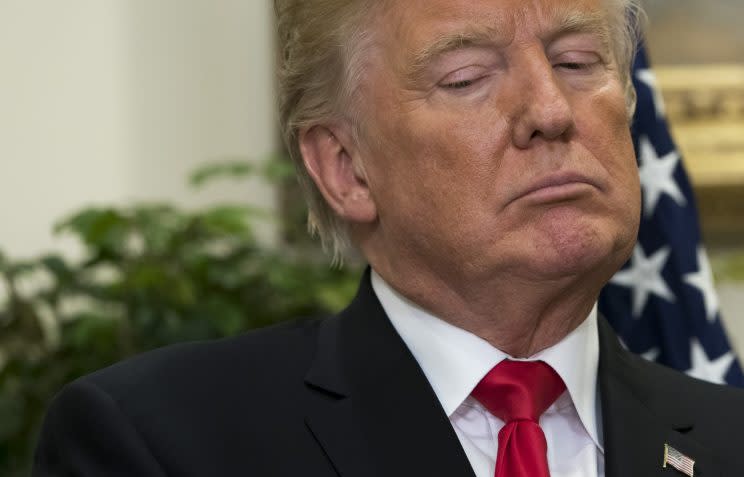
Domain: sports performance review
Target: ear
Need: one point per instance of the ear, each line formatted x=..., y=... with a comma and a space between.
x=328, y=154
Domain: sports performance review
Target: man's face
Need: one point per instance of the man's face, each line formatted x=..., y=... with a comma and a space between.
x=497, y=140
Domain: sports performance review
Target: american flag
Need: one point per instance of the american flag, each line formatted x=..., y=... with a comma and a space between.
x=662, y=303
x=678, y=460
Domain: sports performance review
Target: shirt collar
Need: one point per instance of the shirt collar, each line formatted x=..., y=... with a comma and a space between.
x=455, y=360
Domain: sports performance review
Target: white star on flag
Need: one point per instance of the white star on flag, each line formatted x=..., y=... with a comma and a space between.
x=651, y=354
x=704, y=368
x=649, y=79
x=644, y=277
x=703, y=281
x=658, y=302
x=657, y=176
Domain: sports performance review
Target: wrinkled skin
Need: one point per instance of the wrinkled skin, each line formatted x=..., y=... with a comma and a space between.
x=498, y=184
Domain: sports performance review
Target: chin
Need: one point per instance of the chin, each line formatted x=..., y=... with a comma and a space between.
x=573, y=262
x=581, y=249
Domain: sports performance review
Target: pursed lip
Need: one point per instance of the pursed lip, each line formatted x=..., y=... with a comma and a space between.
x=553, y=183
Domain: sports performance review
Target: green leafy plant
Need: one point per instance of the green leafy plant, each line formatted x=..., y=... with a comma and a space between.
x=152, y=274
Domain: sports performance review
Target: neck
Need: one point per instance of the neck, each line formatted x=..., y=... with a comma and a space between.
x=516, y=315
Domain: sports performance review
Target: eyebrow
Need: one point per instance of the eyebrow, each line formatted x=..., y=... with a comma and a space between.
x=567, y=21
x=572, y=21
x=472, y=37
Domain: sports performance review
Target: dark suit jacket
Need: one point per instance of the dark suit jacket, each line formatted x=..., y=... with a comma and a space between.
x=344, y=397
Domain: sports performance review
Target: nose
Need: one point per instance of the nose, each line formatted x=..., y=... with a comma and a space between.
x=544, y=112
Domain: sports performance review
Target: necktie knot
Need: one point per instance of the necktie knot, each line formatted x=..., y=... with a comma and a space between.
x=519, y=390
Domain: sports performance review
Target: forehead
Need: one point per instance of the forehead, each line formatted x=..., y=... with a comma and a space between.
x=414, y=23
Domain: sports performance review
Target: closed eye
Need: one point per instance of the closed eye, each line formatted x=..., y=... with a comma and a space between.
x=464, y=78
x=575, y=66
x=462, y=84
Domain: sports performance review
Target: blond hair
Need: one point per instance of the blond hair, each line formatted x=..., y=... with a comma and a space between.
x=321, y=43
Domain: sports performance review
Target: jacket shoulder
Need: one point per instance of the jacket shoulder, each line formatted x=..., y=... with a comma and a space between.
x=252, y=360
x=677, y=394
x=206, y=408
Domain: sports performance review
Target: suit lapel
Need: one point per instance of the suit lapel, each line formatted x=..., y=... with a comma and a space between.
x=370, y=405
x=329, y=408
x=373, y=412
x=639, y=417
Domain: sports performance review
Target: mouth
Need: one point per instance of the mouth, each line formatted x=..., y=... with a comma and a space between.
x=557, y=187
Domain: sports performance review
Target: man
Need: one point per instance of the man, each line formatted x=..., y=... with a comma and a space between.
x=477, y=154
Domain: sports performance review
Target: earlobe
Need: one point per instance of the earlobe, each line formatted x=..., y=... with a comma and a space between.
x=328, y=157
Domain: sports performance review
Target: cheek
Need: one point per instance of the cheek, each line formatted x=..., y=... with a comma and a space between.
x=623, y=169
x=625, y=188
x=435, y=177
x=436, y=150
x=606, y=131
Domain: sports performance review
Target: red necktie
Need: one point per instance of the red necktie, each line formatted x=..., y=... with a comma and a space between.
x=518, y=392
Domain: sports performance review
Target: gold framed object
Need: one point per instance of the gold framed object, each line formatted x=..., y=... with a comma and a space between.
x=705, y=108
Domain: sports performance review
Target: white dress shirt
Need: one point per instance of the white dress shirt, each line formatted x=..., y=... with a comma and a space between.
x=455, y=360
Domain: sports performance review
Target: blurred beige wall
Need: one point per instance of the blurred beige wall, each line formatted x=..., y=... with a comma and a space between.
x=105, y=101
